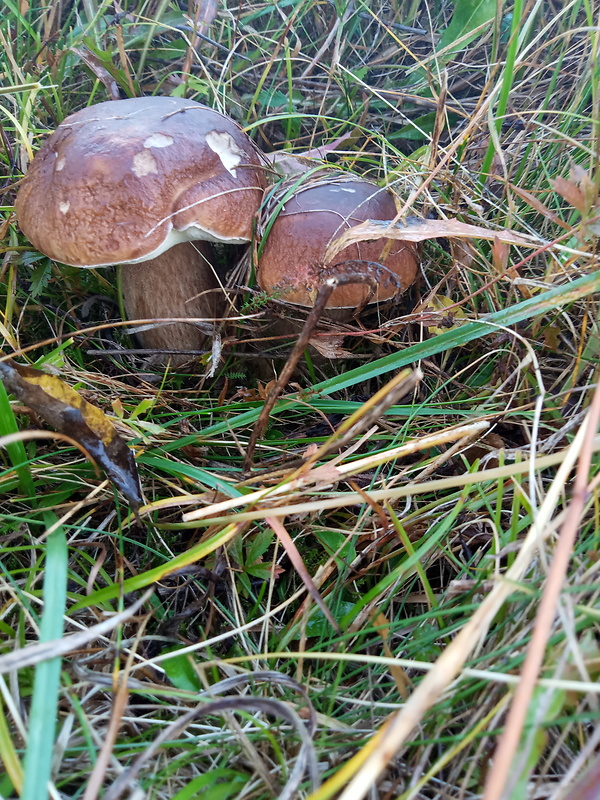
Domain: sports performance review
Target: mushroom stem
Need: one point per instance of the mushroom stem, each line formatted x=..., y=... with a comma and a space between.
x=179, y=283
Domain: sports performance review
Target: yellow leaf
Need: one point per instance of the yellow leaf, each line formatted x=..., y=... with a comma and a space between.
x=440, y=320
x=66, y=411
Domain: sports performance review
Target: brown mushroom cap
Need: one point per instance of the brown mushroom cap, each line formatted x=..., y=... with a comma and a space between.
x=291, y=261
x=123, y=181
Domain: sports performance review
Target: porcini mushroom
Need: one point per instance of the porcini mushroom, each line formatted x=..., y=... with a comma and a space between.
x=291, y=260
x=123, y=182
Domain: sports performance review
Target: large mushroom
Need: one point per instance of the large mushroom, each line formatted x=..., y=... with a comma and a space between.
x=123, y=182
x=300, y=220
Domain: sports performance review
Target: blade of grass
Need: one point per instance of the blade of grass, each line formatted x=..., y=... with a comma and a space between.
x=453, y=658
x=46, y=686
x=534, y=306
x=151, y=576
x=296, y=559
x=43, y=651
x=413, y=561
x=16, y=450
x=499, y=774
x=8, y=753
x=507, y=82
x=16, y=13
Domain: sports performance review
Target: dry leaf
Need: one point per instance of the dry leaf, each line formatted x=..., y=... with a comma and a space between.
x=66, y=411
x=264, y=389
x=533, y=201
x=310, y=450
x=500, y=251
x=414, y=229
x=99, y=70
x=463, y=253
x=330, y=346
x=287, y=164
x=207, y=11
x=552, y=337
x=442, y=322
x=571, y=193
x=483, y=447
x=586, y=185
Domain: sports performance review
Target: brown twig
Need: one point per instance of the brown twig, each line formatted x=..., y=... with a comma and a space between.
x=301, y=344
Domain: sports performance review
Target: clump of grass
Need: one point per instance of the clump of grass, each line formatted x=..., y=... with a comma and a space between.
x=429, y=536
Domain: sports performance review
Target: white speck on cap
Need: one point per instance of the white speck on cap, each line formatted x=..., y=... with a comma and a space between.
x=144, y=163
x=64, y=207
x=60, y=162
x=158, y=140
x=223, y=144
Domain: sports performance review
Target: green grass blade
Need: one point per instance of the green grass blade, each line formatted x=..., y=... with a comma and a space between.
x=46, y=686
x=16, y=450
x=144, y=579
x=8, y=753
x=44, y=704
x=507, y=82
x=411, y=563
x=533, y=307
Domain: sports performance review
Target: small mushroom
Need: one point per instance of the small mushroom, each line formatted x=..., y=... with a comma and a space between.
x=135, y=182
x=291, y=257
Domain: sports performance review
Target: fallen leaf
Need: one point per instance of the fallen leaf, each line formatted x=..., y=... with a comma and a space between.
x=66, y=411
x=483, y=447
x=415, y=229
x=310, y=450
x=463, y=253
x=206, y=14
x=537, y=204
x=324, y=474
x=330, y=346
x=99, y=70
x=585, y=183
x=287, y=164
x=552, y=337
x=500, y=252
x=571, y=193
x=441, y=321
x=264, y=389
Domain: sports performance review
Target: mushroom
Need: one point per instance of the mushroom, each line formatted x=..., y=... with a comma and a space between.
x=291, y=255
x=135, y=182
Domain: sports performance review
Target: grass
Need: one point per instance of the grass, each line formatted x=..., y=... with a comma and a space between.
x=454, y=539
